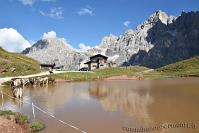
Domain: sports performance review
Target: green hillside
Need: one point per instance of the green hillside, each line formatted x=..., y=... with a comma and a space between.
x=185, y=68
x=13, y=64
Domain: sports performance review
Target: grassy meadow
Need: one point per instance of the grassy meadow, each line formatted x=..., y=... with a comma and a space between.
x=99, y=74
x=185, y=68
x=14, y=64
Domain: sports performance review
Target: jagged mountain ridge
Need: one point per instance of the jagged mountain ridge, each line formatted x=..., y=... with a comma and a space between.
x=173, y=42
x=133, y=41
x=139, y=47
x=54, y=50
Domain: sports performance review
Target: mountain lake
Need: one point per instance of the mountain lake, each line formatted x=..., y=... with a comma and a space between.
x=114, y=106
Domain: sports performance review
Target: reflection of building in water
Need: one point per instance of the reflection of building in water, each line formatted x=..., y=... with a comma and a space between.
x=131, y=101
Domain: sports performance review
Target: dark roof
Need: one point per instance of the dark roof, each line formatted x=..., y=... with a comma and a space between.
x=99, y=55
x=47, y=65
x=88, y=62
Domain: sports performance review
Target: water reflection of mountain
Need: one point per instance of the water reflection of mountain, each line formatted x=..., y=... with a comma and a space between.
x=132, y=98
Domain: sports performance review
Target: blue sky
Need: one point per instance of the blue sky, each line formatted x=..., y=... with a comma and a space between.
x=83, y=21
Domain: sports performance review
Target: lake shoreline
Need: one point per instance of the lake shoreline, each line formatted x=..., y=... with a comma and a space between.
x=117, y=73
x=122, y=77
x=11, y=126
x=15, y=122
x=116, y=77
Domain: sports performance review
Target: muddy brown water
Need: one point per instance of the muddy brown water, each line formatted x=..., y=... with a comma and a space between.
x=114, y=106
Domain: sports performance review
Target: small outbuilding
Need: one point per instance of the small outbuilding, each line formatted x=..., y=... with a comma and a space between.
x=47, y=66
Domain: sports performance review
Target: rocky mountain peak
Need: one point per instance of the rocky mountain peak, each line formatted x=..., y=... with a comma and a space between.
x=162, y=16
x=154, y=18
x=147, y=45
x=58, y=42
x=158, y=15
x=108, y=40
x=129, y=32
x=49, y=43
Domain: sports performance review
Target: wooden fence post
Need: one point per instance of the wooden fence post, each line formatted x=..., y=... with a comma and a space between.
x=2, y=100
x=33, y=110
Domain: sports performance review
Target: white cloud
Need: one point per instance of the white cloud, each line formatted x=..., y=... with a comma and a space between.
x=48, y=0
x=86, y=11
x=50, y=34
x=27, y=2
x=127, y=23
x=11, y=40
x=31, y=2
x=55, y=12
x=32, y=42
x=83, y=47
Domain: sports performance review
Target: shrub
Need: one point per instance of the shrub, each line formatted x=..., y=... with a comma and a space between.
x=36, y=126
x=6, y=112
x=7, y=83
x=21, y=119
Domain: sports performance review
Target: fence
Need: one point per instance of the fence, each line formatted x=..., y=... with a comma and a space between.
x=41, y=110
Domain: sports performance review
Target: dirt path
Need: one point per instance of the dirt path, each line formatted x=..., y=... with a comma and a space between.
x=10, y=126
x=121, y=77
x=145, y=71
x=138, y=75
x=2, y=80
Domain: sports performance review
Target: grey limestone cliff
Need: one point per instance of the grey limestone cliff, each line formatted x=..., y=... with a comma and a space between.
x=160, y=40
